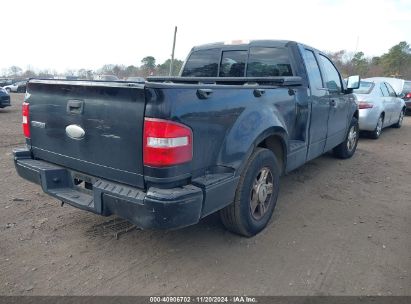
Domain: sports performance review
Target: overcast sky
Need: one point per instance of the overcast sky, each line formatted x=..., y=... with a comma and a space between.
x=73, y=34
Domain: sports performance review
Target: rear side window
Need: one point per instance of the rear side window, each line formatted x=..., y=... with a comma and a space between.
x=202, y=63
x=391, y=91
x=313, y=71
x=333, y=80
x=267, y=62
x=384, y=90
x=233, y=64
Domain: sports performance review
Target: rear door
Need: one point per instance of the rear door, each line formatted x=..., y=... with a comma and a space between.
x=395, y=104
x=110, y=115
x=387, y=102
x=339, y=105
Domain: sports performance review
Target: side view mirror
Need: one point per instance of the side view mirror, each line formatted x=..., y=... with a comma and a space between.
x=353, y=82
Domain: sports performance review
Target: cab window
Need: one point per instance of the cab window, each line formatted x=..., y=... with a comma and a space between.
x=233, y=64
x=202, y=63
x=313, y=71
x=268, y=62
x=332, y=77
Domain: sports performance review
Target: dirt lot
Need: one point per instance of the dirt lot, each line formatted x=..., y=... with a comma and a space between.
x=340, y=228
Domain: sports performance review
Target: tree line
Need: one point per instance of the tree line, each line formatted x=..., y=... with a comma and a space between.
x=148, y=67
x=395, y=63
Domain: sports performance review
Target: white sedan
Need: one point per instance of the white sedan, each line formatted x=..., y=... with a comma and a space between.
x=17, y=87
x=379, y=106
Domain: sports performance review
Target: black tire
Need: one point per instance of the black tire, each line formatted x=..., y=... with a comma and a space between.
x=347, y=148
x=400, y=119
x=239, y=217
x=378, y=128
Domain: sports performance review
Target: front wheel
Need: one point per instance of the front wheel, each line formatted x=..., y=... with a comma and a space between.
x=255, y=197
x=347, y=148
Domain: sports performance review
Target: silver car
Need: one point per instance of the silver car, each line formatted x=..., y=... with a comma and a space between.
x=379, y=106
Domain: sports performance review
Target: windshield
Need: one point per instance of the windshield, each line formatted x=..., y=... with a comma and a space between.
x=365, y=87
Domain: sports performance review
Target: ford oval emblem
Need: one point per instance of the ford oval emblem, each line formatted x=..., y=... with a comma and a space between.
x=75, y=132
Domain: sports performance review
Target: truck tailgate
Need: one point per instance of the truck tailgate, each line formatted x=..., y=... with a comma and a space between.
x=111, y=115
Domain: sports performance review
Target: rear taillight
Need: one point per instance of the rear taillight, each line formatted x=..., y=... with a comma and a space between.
x=365, y=105
x=26, y=121
x=166, y=143
x=408, y=95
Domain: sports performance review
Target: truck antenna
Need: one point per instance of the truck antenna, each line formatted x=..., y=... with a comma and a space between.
x=172, y=52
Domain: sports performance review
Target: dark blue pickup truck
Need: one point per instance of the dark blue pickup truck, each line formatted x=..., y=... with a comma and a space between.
x=166, y=153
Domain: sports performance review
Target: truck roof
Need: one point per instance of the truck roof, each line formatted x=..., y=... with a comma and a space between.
x=245, y=43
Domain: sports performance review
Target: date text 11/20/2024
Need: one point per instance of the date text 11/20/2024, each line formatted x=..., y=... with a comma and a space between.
x=203, y=299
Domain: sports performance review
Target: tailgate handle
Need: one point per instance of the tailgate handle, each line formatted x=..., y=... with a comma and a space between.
x=75, y=106
x=204, y=93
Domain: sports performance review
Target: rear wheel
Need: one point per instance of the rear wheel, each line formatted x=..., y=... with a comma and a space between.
x=347, y=148
x=378, y=128
x=255, y=197
x=400, y=119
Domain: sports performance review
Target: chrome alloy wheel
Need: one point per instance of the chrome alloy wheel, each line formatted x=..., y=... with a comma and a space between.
x=261, y=193
x=352, y=138
x=378, y=128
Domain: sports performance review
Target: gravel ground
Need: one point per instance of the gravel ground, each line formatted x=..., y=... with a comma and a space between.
x=341, y=227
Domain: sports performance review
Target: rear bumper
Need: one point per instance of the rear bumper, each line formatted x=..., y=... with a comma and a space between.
x=154, y=208
x=408, y=105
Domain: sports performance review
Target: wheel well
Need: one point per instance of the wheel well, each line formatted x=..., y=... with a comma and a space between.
x=356, y=115
x=383, y=115
x=276, y=144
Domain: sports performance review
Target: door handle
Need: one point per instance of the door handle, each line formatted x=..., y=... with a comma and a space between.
x=258, y=92
x=204, y=93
